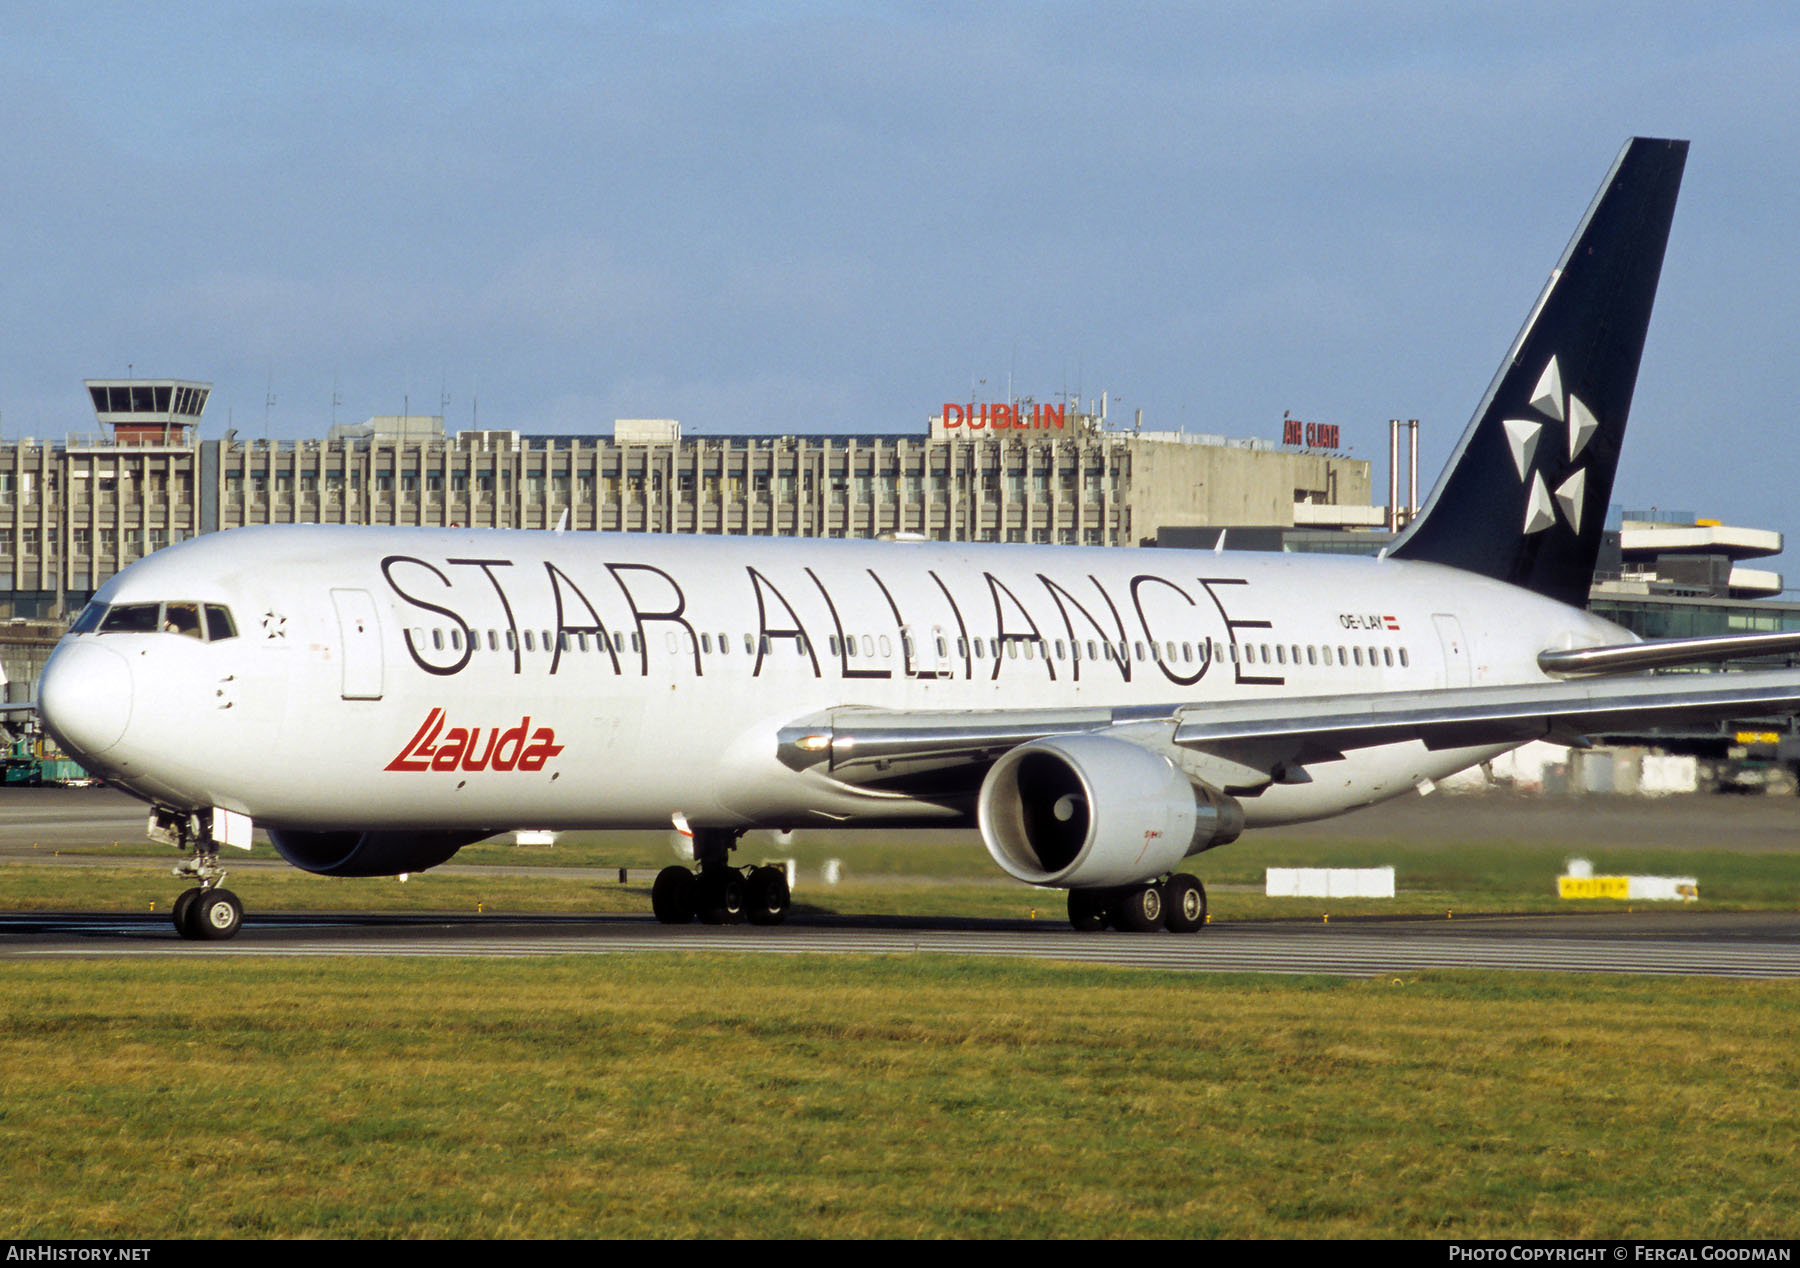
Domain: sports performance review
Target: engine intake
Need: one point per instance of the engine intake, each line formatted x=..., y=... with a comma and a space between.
x=368, y=853
x=1092, y=810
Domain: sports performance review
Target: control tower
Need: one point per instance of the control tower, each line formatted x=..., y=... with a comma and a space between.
x=148, y=411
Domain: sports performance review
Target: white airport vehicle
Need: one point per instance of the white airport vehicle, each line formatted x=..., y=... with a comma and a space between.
x=376, y=698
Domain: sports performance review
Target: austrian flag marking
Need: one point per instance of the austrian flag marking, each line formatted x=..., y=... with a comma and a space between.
x=462, y=748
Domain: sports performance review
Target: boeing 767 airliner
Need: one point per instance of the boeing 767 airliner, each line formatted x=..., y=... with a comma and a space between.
x=376, y=698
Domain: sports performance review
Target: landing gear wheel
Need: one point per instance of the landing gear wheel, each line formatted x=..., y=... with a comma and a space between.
x=672, y=897
x=184, y=908
x=216, y=916
x=767, y=896
x=1140, y=910
x=1184, y=903
x=1087, y=910
x=721, y=896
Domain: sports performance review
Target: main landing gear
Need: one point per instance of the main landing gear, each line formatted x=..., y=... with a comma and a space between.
x=207, y=912
x=1176, y=903
x=720, y=894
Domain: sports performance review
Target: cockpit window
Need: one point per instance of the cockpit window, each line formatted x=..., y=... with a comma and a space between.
x=218, y=623
x=208, y=622
x=131, y=618
x=89, y=618
x=181, y=618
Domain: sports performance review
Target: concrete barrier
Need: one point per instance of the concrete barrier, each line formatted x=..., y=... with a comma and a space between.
x=1329, y=882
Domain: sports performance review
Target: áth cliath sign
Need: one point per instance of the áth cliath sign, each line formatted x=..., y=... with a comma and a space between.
x=1308, y=435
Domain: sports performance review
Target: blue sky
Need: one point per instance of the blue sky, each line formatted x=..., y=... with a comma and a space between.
x=817, y=217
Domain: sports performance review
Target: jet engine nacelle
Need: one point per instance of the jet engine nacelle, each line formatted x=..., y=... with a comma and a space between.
x=368, y=853
x=1091, y=810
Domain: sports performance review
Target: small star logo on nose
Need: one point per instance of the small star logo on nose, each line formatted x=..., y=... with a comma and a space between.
x=274, y=625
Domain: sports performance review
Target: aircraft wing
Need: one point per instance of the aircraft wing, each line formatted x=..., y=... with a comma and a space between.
x=872, y=747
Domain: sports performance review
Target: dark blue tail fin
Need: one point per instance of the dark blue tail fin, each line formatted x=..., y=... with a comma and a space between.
x=1524, y=497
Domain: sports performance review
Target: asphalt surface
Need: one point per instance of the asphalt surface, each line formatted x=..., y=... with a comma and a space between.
x=1672, y=942
x=1755, y=944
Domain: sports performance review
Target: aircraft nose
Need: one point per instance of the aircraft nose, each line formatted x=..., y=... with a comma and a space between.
x=84, y=697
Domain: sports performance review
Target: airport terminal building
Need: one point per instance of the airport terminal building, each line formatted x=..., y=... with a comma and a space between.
x=140, y=477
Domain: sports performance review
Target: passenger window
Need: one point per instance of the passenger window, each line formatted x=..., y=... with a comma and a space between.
x=219, y=625
x=1280, y=654
x=1358, y=652
x=723, y=645
x=1387, y=657
x=1403, y=661
x=528, y=642
x=706, y=643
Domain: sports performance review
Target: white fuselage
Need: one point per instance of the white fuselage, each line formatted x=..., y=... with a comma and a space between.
x=617, y=680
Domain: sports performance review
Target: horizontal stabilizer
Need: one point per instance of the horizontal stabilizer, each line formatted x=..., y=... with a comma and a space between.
x=1625, y=658
x=1469, y=717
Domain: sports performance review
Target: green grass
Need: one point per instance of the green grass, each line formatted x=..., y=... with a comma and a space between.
x=902, y=1096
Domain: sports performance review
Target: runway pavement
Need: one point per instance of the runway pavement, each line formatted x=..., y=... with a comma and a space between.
x=1750, y=944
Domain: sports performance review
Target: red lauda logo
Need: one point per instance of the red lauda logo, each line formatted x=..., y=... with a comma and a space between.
x=462, y=747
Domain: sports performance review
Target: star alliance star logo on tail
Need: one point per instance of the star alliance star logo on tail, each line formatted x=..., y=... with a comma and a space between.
x=1523, y=435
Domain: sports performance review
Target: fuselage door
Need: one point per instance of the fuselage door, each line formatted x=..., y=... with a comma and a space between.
x=361, y=643
x=1456, y=649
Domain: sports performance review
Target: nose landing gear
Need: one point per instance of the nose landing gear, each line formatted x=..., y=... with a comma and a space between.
x=207, y=912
